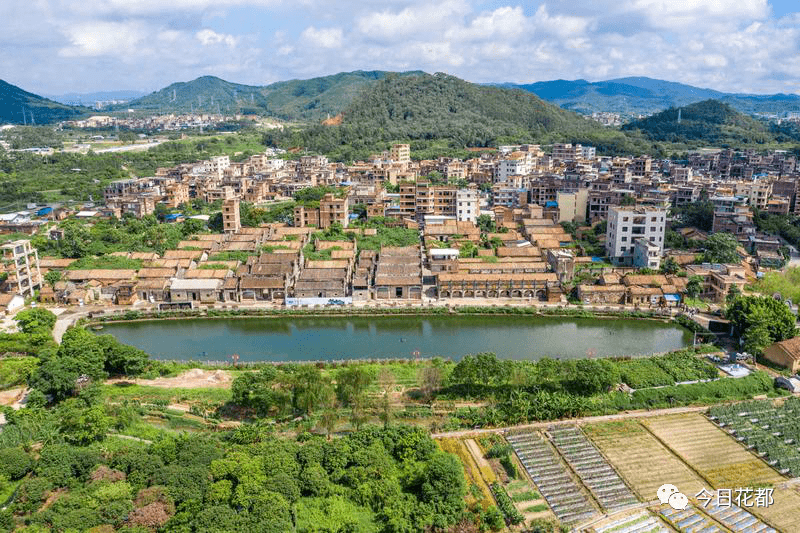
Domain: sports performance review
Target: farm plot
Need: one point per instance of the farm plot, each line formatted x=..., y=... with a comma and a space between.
x=719, y=459
x=552, y=478
x=644, y=462
x=690, y=520
x=772, y=432
x=738, y=520
x=593, y=469
x=642, y=522
x=784, y=513
x=475, y=475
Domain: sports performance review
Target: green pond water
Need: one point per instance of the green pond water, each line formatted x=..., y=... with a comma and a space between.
x=336, y=338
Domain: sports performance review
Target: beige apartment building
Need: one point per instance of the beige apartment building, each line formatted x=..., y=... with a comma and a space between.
x=331, y=210
x=231, y=221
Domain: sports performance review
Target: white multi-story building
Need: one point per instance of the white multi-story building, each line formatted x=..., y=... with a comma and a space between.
x=217, y=165
x=518, y=164
x=646, y=254
x=626, y=225
x=467, y=208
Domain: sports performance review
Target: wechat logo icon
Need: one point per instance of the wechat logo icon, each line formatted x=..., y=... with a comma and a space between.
x=670, y=494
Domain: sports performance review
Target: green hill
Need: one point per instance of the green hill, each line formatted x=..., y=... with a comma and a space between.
x=14, y=101
x=443, y=110
x=302, y=100
x=708, y=122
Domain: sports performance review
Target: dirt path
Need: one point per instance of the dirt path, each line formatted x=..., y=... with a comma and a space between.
x=581, y=420
x=191, y=379
x=477, y=455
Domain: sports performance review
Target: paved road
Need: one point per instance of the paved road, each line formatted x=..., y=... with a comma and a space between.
x=582, y=420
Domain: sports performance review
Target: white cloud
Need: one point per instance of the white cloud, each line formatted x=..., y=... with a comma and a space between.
x=424, y=18
x=98, y=38
x=323, y=37
x=209, y=37
x=151, y=43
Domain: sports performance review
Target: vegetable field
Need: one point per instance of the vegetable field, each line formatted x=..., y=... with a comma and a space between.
x=771, y=432
x=595, y=472
x=552, y=478
x=641, y=459
x=711, y=452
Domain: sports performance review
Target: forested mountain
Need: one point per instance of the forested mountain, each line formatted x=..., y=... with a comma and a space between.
x=709, y=122
x=643, y=95
x=426, y=109
x=14, y=102
x=313, y=99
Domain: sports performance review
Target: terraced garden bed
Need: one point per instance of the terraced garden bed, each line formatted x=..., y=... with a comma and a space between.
x=596, y=473
x=690, y=520
x=641, y=522
x=552, y=478
x=738, y=520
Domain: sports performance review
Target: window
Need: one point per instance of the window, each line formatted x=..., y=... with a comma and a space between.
x=398, y=292
x=653, y=219
x=624, y=239
x=625, y=228
x=624, y=219
x=653, y=229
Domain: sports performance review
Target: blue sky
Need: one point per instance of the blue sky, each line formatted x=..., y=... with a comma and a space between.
x=59, y=46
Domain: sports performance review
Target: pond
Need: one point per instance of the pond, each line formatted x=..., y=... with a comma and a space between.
x=338, y=338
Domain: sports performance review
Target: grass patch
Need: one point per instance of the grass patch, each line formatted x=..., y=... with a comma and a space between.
x=527, y=496
x=786, y=283
x=538, y=508
x=143, y=393
x=15, y=371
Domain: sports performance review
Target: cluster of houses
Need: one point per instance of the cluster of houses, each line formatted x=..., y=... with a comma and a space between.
x=525, y=253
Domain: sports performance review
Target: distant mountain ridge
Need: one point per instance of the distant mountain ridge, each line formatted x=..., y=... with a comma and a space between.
x=710, y=122
x=38, y=110
x=641, y=95
x=312, y=100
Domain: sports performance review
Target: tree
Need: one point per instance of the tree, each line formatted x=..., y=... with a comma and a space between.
x=733, y=293
x=694, y=286
x=486, y=224
x=670, y=266
x=386, y=382
x=76, y=239
x=80, y=424
x=328, y=420
x=52, y=277
x=310, y=389
x=770, y=320
x=352, y=384
x=594, y=376
x=57, y=377
x=721, y=248
x=442, y=485
x=120, y=358
x=36, y=320
x=467, y=250
x=429, y=379
x=15, y=463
